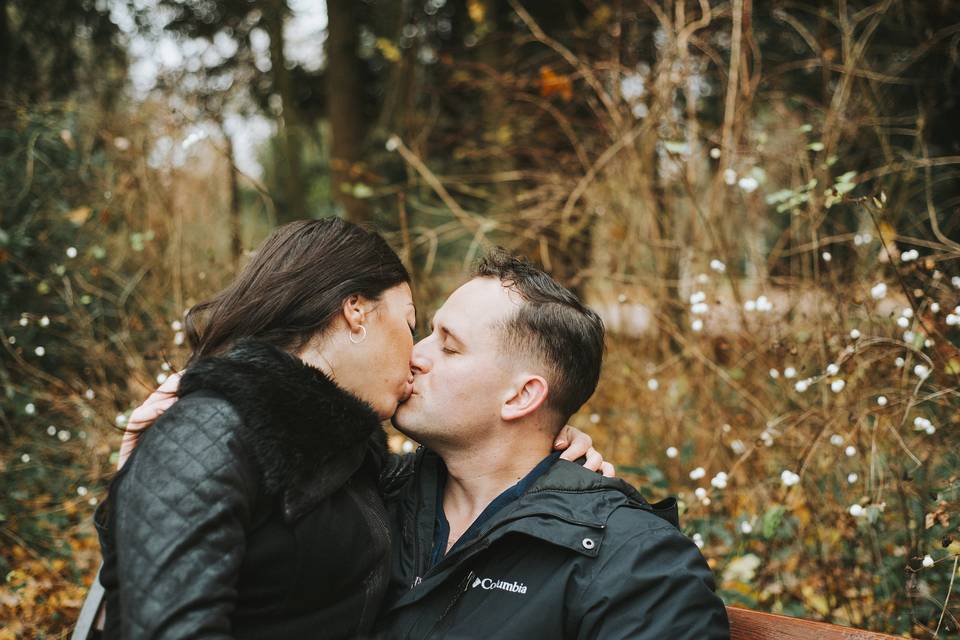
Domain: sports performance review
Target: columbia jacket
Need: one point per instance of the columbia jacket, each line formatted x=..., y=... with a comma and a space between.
x=251, y=509
x=576, y=556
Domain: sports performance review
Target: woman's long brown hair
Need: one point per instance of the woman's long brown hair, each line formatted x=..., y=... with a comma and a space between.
x=294, y=286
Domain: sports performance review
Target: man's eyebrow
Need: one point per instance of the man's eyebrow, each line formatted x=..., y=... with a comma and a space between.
x=452, y=335
x=445, y=330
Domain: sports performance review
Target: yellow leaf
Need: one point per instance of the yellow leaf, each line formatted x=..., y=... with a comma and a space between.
x=477, y=11
x=388, y=49
x=887, y=235
x=815, y=600
x=79, y=215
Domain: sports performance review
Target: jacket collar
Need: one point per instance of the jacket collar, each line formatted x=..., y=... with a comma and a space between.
x=571, y=492
x=565, y=506
x=306, y=434
x=567, y=492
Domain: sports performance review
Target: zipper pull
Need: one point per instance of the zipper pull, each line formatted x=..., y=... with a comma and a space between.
x=464, y=587
x=416, y=581
x=466, y=583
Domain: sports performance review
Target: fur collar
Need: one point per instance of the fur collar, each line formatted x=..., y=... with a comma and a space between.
x=306, y=434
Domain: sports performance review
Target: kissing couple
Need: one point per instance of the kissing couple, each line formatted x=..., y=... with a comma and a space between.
x=260, y=499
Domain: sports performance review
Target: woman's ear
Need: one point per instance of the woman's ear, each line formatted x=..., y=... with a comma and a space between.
x=354, y=312
x=527, y=396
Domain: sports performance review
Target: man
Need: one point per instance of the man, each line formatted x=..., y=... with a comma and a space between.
x=495, y=537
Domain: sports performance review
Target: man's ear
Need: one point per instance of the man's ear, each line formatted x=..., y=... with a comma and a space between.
x=354, y=312
x=527, y=396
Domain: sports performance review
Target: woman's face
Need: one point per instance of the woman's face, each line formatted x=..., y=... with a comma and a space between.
x=383, y=357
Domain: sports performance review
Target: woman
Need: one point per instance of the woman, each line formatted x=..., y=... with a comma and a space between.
x=253, y=507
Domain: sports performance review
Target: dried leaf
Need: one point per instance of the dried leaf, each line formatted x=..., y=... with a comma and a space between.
x=553, y=84
x=79, y=215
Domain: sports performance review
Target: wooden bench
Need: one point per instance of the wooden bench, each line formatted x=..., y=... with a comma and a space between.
x=755, y=625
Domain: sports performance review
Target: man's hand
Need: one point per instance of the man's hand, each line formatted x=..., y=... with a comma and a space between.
x=576, y=444
x=146, y=414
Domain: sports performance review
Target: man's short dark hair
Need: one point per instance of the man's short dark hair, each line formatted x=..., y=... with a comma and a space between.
x=551, y=325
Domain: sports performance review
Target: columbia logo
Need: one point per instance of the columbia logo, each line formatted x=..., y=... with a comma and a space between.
x=488, y=584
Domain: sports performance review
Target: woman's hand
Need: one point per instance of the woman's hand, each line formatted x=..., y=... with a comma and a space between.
x=146, y=414
x=576, y=444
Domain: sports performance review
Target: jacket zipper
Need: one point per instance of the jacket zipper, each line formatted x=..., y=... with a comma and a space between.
x=418, y=559
x=462, y=588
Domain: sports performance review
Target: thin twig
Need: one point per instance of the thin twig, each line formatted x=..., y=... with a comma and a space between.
x=946, y=602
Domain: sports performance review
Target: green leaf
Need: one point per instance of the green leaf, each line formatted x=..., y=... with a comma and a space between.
x=772, y=519
x=361, y=191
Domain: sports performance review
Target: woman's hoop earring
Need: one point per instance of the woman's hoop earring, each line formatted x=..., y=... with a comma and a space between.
x=363, y=335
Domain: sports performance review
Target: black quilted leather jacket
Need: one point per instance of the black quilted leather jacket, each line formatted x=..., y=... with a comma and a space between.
x=251, y=509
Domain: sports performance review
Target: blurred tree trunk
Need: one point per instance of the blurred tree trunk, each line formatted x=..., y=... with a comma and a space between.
x=344, y=77
x=398, y=101
x=6, y=65
x=288, y=162
x=233, y=200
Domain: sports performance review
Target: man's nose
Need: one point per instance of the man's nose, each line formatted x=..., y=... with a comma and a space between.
x=419, y=361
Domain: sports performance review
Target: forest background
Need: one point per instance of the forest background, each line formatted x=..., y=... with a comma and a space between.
x=761, y=199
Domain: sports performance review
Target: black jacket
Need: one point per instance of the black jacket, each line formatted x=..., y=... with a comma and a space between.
x=576, y=556
x=251, y=509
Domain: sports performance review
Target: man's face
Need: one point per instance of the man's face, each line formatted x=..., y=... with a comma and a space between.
x=461, y=378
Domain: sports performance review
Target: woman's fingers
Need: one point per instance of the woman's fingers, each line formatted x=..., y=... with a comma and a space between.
x=594, y=460
x=140, y=420
x=146, y=414
x=171, y=384
x=576, y=444
x=573, y=442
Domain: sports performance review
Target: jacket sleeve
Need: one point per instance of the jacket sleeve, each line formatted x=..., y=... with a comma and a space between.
x=182, y=506
x=654, y=585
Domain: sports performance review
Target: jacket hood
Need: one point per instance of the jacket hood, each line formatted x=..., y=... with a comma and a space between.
x=306, y=434
x=579, y=494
